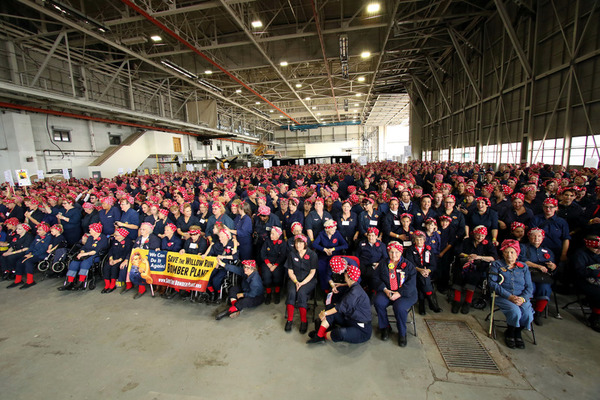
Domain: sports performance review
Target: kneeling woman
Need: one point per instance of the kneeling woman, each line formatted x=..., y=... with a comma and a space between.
x=302, y=268
x=514, y=292
x=349, y=320
x=247, y=295
x=396, y=283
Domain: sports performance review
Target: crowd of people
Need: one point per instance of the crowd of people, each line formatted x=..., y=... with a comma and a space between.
x=384, y=234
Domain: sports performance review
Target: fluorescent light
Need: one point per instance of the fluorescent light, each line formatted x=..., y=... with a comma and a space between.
x=238, y=90
x=373, y=8
x=355, y=104
x=156, y=38
x=314, y=108
x=258, y=102
x=281, y=116
x=208, y=72
x=358, y=94
x=318, y=113
x=365, y=54
x=178, y=69
x=361, y=78
x=209, y=85
x=271, y=111
x=307, y=98
x=257, y=23
x=298, y=85
x=283, y=63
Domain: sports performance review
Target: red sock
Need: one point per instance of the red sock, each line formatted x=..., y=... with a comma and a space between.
x=142, y=289
x=113, y=284
x=322, y=331
x=302, y=314
x=232, y=309
x=210, y=289
x=457, y=296
x=29, y=279
x=81, y=278
x=70, y=279
x=269, y=290
x=290, y=312
x=596, y=310
x=540, y=305
x=277, y=289
x=18, y=278
x=233, y=301
x=428, y=293
x=106, y=284
x=469, y=296
x=128, y=285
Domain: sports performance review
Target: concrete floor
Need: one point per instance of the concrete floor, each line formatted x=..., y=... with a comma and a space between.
x=87, y=345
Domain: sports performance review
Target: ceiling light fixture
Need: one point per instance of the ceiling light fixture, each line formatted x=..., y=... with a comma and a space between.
x=208, y=72
x=156, y=38
x=209, y=85
x=372, y=8
x=307, y=98
x=358, y=94
x=283, y=63
x=361, y=78
x=238, y=90
x=298, y=85
x=257, y=24
x=365, y=54
x=178, y=69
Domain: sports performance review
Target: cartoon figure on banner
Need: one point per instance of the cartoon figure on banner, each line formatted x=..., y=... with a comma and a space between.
x=139, y=269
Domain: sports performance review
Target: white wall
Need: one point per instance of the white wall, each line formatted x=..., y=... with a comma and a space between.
x=16, y=143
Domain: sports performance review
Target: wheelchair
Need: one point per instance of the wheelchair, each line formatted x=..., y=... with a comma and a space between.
x=59, y=267
x=94, y=271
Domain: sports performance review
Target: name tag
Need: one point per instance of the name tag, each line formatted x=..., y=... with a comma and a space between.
x=268, y=228
x=193, y=245
x=373, y=222
x=345, y=223
x=396, y=223
x=427, y=256
x=407, y=243
x=361, y=324
x=202, y=221
x=329, y=297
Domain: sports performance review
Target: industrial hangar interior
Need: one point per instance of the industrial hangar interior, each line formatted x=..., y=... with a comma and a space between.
x=106, y=88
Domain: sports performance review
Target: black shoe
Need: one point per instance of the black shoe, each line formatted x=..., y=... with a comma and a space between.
x=210, y=297
x=303, y=327
x=277, y=298
x=455, y=307
x=537, y=318
x=5, y=276
x=519, y=343
x=27, y=285
x=385, y=333
x=68, y=286
x=222, y=315
x=402, y=341
x=466, y=307
x=218, y=300
x=288, y=326
x=104, y=290
x=509, y=337
x=111, y=290
x=125, y=290
x=12, y=285
x=316, y=339
x=171, y=295
x=594, y=322
x=422, y=307
x=79, y=286
x=138, y=295
x=312, y=334
x=268, y=298
x=433, y=303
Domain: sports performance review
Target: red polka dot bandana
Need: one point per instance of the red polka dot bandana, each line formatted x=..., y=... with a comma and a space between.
x=395, y=245
x=97, y=227
x=338, y=264
x=353, y=272
x=122, y=232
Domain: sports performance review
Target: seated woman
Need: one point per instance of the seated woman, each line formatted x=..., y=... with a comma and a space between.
x=474, y=256
x=540, y=261
x=328, y=243
x=301, y=265
x=118, y=255
x=349, y=319
x=514, y=293
x=247, y=295
x=89, y=253
x=35, y=253
x=425, y=262
x=371, y=253
x=396, y=284
x=17, y=248
x=272, y=257
x=170, y=240
x=296, y=230
x=587, y=268
x=225, y=250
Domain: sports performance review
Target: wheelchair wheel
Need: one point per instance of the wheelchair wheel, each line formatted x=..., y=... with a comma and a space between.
x=43, y=265
x=92, y=283
x=58, y=267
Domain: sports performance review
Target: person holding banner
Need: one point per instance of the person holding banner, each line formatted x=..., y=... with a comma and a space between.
x=170, y=241
x=119, y=251
x=196, y=244
x=226, y=251
x=147, y=240
x=249, y=294
x=272, y=257
x=302, y=266
x=95, y=244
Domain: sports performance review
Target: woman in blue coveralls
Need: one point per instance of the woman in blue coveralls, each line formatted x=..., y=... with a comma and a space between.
x=396, y=285
x=328, y=243
x=349, y=320
x=540, y=261
x=249, y=294
x=514, y=293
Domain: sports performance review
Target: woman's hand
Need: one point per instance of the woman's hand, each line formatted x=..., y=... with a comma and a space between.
x=543, y=269
x=551, y=266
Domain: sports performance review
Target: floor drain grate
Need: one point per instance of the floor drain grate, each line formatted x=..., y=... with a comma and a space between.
x=460, y=348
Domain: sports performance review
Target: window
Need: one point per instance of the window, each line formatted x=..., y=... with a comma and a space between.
x=61, y=135
x=489, y=154
x=426, y=156
x=583, y=147
x=468, y=154
x=114, y=140
x=548, y=151
x=444, y=155
x=510, y=153
x=177, y=145
x=218, y=147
